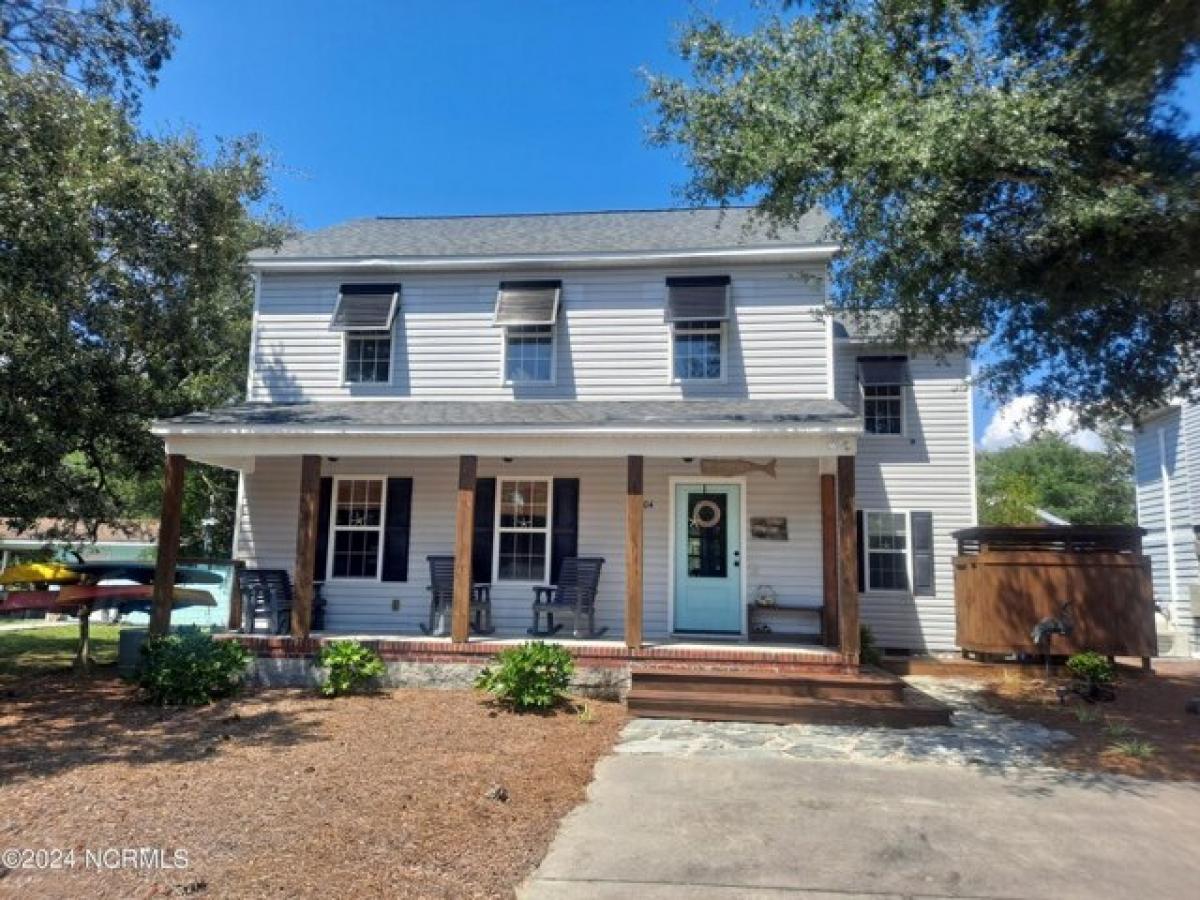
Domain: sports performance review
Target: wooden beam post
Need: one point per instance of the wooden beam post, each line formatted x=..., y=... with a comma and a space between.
x=464, y=550
x=634, y=512
x=306, y=545
x=170, y=523
x=847, y=561
x=829, y=561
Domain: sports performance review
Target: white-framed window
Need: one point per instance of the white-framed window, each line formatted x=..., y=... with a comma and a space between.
x=698, y=350
x=883, y=408
x=887, y=548
x=367, y=357
x=522, y=545
x=356, y=528
x=529, y=354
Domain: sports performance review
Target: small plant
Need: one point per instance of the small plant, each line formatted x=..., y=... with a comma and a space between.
x=1094, y=676
x=1133, y=747
x=532, y=676
x=190, y=669
x=1086, y=715
x=585, y=714
x=868, y=649
x=352, y=667
x=1117, y=730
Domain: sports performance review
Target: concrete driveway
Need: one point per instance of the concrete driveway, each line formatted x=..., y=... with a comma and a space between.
x=673, y=826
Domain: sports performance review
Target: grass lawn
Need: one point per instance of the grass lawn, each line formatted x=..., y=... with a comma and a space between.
x=35, y=651
x=409, y=793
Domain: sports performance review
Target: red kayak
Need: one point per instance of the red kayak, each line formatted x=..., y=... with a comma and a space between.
x=70, y=596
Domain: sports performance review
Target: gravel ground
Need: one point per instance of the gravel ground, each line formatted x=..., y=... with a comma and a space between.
x=284, y=794
x=978, y=736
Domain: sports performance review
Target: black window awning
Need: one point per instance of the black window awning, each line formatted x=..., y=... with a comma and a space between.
x=882, y=370
x=527, y=302
x=698, y=298
x=365, y=307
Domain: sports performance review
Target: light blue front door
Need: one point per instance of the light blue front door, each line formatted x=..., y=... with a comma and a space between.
x=708, y=574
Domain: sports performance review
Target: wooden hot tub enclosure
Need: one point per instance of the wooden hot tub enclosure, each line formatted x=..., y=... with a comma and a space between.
x=1008, y=579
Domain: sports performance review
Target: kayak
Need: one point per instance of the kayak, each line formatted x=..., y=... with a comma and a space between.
x=39, y=573
x=126, y=597
x=142, y=573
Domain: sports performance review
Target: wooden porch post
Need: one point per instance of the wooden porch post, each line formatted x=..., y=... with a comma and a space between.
x=847, y=561
x=306, y=545
x=829, y=561
x=464, y=523
x=634, y=511
x=169, y=525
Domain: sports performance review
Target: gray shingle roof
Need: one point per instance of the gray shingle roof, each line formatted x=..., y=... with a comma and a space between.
x=401, y=414
x=548, y=234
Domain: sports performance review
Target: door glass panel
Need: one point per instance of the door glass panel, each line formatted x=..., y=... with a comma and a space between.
x=707, y=536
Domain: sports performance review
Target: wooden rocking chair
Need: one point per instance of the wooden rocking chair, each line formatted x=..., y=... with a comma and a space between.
x=441, y=600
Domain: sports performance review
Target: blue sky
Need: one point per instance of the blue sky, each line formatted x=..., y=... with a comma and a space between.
x=412, y=107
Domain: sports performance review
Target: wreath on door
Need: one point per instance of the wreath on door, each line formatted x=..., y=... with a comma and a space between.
x=706, y=514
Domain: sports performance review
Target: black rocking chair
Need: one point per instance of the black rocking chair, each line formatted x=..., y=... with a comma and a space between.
x=267, y=594
x=574, y=596
x=441, y=600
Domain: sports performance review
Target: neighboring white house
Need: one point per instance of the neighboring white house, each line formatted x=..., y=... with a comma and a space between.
x=1167, y=471
x=568, y=356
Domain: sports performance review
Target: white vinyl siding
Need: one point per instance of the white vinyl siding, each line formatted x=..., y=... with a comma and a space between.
x=1166, y=446
x=929, y=467
x=613, y=339
x=268, y=515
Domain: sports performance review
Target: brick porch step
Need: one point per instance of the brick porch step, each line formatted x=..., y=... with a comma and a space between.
x=817, y=698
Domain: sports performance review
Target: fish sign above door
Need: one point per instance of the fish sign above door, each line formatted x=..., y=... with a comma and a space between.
x=736, y=467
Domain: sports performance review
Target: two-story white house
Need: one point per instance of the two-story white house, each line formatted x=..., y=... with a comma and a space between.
x=1167, y=474
x=659, y=389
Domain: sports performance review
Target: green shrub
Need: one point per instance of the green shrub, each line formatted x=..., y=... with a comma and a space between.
x=868, y=649
x=1091, y=667
x=190, y=669
x=532, y=676
x=352, y=667
x=1133, y=747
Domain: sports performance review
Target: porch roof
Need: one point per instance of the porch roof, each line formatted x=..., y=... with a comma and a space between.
x=551, y=416
x=234, y=435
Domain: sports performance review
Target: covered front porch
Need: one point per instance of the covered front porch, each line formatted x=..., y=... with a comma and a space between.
x=708, y=517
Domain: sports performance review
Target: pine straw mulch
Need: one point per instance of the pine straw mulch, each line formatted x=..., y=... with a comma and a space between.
x=1149, y=710
x=285, y=794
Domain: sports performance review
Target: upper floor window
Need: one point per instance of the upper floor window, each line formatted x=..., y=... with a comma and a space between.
x=365, y=313
x=698, y=310
x=883, y=379
x=527, y=311
x=368, y=357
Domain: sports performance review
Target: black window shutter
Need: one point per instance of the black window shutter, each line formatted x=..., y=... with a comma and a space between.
x=565, y=528
x=862, y=556
x=922, y=543
x=324, y=499
x=485, y=517
x=396, y=529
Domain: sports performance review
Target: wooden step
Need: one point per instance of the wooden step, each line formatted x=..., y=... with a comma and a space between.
x=784, y=709
x=867, y=686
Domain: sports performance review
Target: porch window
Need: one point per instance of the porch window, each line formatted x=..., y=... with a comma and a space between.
x=523, y=530
x=354, y=551
x=882, y=379
x=698, y=350
x=368, y=357
x=887, y=549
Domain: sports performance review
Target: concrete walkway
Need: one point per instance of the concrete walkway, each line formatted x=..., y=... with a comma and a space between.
x=669, y=827
x=693, y=809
